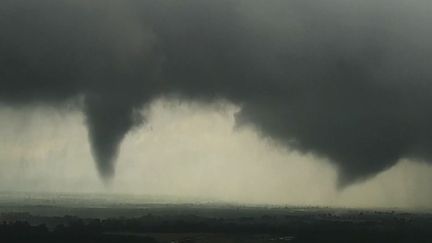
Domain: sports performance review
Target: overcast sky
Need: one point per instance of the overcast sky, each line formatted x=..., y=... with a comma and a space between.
x=189, y=150
x=300, y=101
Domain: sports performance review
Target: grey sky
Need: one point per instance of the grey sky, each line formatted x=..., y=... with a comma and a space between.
x=345, y=82
x=200, y=155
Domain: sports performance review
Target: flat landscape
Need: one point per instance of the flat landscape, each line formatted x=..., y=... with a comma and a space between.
x=28, y=217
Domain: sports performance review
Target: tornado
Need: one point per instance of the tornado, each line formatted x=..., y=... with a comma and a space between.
x=346, y=81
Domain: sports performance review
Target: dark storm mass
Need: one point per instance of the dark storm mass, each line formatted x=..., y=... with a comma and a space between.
x=344, y=80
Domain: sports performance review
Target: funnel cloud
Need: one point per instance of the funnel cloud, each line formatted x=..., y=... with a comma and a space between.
x=344, y=80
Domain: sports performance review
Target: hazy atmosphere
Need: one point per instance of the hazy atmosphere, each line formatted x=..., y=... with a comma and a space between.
x=189, y=150
x=296, y=102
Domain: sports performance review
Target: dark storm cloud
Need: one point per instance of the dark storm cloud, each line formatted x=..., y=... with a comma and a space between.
x=345, y=80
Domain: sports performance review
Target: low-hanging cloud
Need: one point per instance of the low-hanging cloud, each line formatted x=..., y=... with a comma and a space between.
x=345, y=80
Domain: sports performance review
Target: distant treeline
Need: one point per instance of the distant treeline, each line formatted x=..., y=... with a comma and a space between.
x=322, y=228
